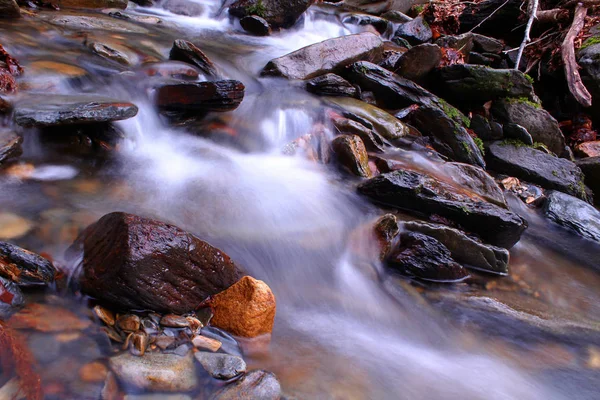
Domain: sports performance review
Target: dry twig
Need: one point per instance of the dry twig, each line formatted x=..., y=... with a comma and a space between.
x=533, y=6
x=576, y=86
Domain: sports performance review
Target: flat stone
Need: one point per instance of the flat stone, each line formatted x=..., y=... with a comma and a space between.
x=221, y=366
x=331, y=85
x=13, y=226
x=416, y=31
x=24, y=267
x=183, y=7
x=47, y=318
x=574, y=214
x=91, y=23
x=258, y=384
x=196, y=97
x=588, y=149
x=188, y=52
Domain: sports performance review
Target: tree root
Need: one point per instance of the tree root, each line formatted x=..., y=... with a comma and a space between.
x=576, y=86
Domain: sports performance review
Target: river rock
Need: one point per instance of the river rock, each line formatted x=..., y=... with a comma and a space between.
x=110, y=53
x=464, y=249
x=10, y=146
x=470, y=83
x=486, y=44
x=416, y=31
x=187, y=52
x=11, y=298
x=246, y=309
x=372, y=140
x=483, y=128
x=155, y=371
x=380, y=24
x=537, y=167
x=386, y=230
x=419, y=193
x=327, y=56
x=396, y=16
x=331, y=85
x=434, y=116
x=88, y=22
x=196, y=97
x=461, y=43
x=573, y=214
x=48, y=318
x=151, y=265
x=121, y=4
x=221, y=366
x=54, y=110
x=426, y=258
x=254, y=385
x=256, y=25
x=542, y=127
x=418, y=61
x=585, y=149
x=278, y=13
x=476, y=180
x=24, y=267
x=351, y=153
x=9, y=9
x=591, y=169
x=517, y=132
x=183, y=7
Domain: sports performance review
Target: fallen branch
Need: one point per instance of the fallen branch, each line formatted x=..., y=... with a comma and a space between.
x=576, y=86
x=489, y=16
x=533, y=6
x=554, y=15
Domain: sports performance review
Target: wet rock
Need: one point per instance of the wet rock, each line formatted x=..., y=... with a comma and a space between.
x=10, y=146
x=420, y=193
x=187, y=52
x=586, y=149
x=150, y=265
x=481, y=126
x=96, y=22
x=54, y=110
x=9, y=9
x=461, y=43
x=416, y=31
x=172, y=69
x=194, y=97
x=372, y=140
x=93, y=372
x=331, y=85
x=155, y=371
x=426, y=258
x=386, y=230
x=396, y=16
x=351, y=153
x=128, y=322
x=434, y=116
x=327, y=56
x=256, y=25
x=380, y=24
x=378, y=7
x=183, y=7
x=486, y=44
x=517, y=132
x=477, y=181
x=105, y=315
x=478, y=84
x=384, y=124
x=542, y=127
x=24, y=267
x=591, y=169
x=278, y=13
x=246, y=309
x=536, y=167
x=464, y=249
x=418, y=61
x=573, y=214
x=110, y=53
x=11, y=298
x=46, y=318
x=174, y=321
x=221, y=366
x=203, y=342
x=121, y=4
x=254, y=385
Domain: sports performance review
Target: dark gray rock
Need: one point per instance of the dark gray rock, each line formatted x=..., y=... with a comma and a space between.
x=221, y=366
x=490, y=16
x=426, y=258
x=327, y=56
x=588, y=59
x=418, y=61
x=591, y=169
x=256, y=25
x=351, y=153
x=254, y=385
x=483, y=128
x=396, y=16
x=187, y=52
x=379, y=24
x=461, y=43
x=486, y=44
x=54, y=110
x=422, y=194
x=465, y=249
x=476, y=180
x=11, y=298
x=9, y=9
x=372, y=140
x=225, y=95
x=542, y=127
x=278, y=13
x=416, y=31
x=470, y=83
x=24, y=267
x=331, y=85
x=434, y=117
x=517, y=132
x=183, y=7
x=573, y=214
x=537, y=167
x=10, y=146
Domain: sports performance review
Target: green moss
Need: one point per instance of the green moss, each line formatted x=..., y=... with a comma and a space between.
x=529, y=79
x=418, y=9
x=257, y=9
x=467, y=148
x=465, y=210
x=454, y=113
x=524, y=100
x=479, y=144
x=555, y=173
x=513, y=142
x=590, y=42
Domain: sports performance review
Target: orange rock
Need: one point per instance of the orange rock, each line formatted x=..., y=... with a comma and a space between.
x=245, y=309
x=588, y=149
x=46, y=318
x=93, y=372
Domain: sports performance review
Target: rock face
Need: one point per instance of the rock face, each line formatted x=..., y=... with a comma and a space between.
x=328, y=56
x=420, y=193
x=278, y=13
x=156, y=371
x=586, y=149
x=54, y=110
x=10, y=147
x=351, y=153
x=418, y=61
x=464, y=249
x=246, y=309
x=11, y=298
x=187, y=52
x=591, y=169
x=9, y=9
x=478, y=84
x=24, y=267
x=200, y=96
x=574, y=214
x=535, y=166
x=139, y=263
x=221, y=366
x=331, y=85
x=416, y=31
x=434, y=117
x=476, y=180
x=254, y=385
x=542, y=127
x=426, y=258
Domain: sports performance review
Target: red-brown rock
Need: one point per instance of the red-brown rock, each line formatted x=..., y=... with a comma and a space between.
x=139, y=263
x=223, y=95
x=588, y=149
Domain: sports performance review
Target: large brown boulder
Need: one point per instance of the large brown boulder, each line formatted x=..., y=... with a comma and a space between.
x=139, y=263
x=9, y=9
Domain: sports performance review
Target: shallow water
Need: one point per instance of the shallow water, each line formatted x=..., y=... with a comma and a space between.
x=344, y=327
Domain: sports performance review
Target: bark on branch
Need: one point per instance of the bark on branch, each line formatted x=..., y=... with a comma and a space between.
x=576, y=86
x=554, y=15
x=533, y=6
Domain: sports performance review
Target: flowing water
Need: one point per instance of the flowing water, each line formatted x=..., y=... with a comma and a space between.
x=345, y=328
